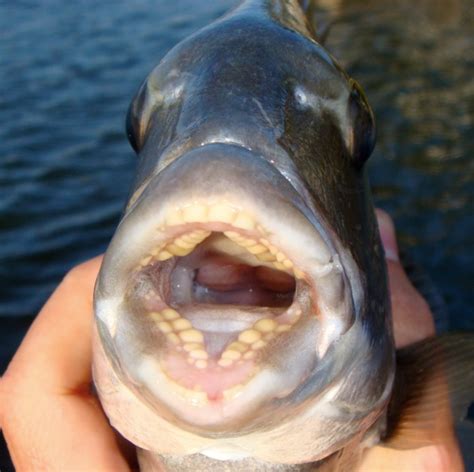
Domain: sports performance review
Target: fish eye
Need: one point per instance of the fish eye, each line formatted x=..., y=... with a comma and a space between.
x=362, y=141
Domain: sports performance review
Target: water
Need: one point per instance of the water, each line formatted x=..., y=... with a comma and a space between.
x=68, y=71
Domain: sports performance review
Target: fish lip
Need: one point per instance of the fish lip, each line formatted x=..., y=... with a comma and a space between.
x=139, y=215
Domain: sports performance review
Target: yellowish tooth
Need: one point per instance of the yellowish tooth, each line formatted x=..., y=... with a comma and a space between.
x=266, y=257
x=244, y=221
x=164, y=255
x=257, y=249
x=178, y=251
x=249, y=355
x=266, y=325
x=288, y=264
x=170, y=314
x=155, y=251
x=155, y=316
x=249, y=336
x=172, y=337
x=191, y=336
x=165, y=327
x=283, y=328
x=259, y=344
x=225, y=362
x=145, y=261
x=231, y=393
x=280, y=256
x=192, y=346
x=298, y=273
x=221, y=212
x=196, y=213
x=261, y=229
x=181, y=242
x=181, y=323
x=246, y=242
x=279, y=266
x=232, y=234
x=174, y=217
x=201, y=364
x=236, y=346
x=199, y=354
x=231, y=354
x=273, y=250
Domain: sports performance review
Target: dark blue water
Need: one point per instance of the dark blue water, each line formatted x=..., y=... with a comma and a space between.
x=68, y=71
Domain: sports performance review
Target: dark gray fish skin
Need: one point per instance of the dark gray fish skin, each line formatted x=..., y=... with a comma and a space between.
x=254, y=103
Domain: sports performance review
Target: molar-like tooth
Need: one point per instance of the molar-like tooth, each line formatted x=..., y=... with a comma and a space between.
x=155, y=316
x=164, y=327
x=266, y=257
x=192, y=346
x=280, y=256
x=288, y=264
x=266, y=325
x=170, y=314
x=199, y=354
x=282, y=328
x=185, y=244
x=259, y=344
x=196, y=213
x=173, y=337
x=222, y=212
x=298, y=273
x=249, y=355
x=257, y=249
x=244, y=221
x=178, y=251
x=181, y=323
x=249, y=336
x=174, y=217
x=279, y=266
x=191, y=336
x=155, y=251
x=273, y=250
x=145, y=261
x=232, y=235
x=201, y=364
x=236, y=346
x=246, y=242
x=225, y=362
x=231, y=354
x=164, y=255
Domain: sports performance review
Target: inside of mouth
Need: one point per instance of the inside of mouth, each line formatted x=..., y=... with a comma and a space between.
x=215, y=302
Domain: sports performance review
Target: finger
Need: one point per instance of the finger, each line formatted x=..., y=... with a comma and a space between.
x=49, y=419
x=412, y=318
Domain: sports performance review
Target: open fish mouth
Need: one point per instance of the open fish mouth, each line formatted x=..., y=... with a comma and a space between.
x=221, y=297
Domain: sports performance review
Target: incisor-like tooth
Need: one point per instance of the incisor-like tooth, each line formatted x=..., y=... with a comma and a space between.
x=174, y=217
x=259, y=344
x=165, y=327
x=201, y=364
x=164, y=255
x=298, y=273
x=249, y=336
x=280, y=256
x=283, y=328
x=231, y=354
x=288, y=264
x=246, y=242
x=195, y=213
x=181, y=242
x=191, y=336
x=170, y=314
x=279, y=266
x=266, y=257
x=236, y=346
x=178, y=251
x=145, y=261
x=244, y=221
x=257, y=249
x=265, y=326
x=221, y=212
x=199, y=354
x=181, y=323
x=192, y=346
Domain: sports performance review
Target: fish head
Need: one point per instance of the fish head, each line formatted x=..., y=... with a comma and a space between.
x=242, y=304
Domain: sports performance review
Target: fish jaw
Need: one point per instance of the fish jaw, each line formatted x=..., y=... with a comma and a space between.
x=184, y=339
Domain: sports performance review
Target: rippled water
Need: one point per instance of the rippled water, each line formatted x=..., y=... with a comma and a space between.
x=69, y=69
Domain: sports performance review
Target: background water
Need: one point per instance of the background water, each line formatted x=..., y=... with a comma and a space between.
x=68, y=71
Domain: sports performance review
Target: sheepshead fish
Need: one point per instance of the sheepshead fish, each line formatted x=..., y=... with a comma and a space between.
x=242, y=314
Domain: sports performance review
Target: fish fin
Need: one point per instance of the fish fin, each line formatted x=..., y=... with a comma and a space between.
x=434, y=387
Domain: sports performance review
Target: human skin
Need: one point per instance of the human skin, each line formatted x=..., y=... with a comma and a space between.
x=52, y=421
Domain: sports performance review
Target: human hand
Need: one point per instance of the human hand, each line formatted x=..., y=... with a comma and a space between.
x=51, y=420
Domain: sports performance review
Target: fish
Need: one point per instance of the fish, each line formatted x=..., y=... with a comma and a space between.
x=242, y=316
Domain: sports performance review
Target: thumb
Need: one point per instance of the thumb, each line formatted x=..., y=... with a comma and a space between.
x=412, y=318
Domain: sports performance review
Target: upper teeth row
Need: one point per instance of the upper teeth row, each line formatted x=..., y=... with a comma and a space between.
x=220, y=213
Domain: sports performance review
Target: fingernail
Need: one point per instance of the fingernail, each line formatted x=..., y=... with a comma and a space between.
x=387, y=234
